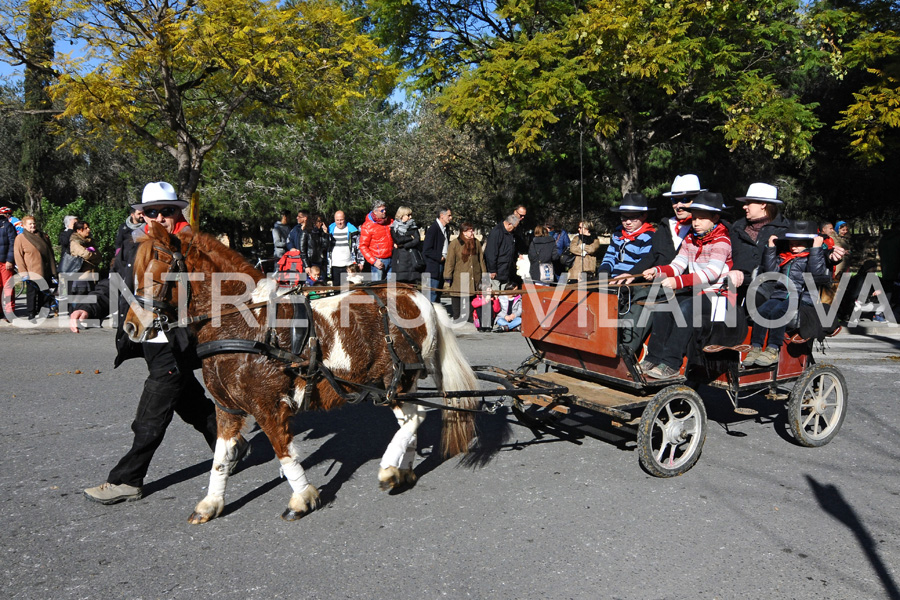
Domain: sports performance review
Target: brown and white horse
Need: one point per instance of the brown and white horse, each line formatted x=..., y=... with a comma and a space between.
x=352, y=344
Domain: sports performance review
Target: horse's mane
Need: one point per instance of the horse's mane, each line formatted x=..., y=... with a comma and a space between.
x=223, y=258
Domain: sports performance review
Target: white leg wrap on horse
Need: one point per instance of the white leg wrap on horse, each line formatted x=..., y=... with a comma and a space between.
x=410, y=455
x=224, y=454
x=294, y=473
x=402, y=449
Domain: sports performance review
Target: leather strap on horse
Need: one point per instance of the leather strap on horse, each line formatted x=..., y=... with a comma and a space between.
x=314, y=369
x=233, y=346
x=400, y=367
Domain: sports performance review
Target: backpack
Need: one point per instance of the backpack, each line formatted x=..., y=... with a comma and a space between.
x=290, y=269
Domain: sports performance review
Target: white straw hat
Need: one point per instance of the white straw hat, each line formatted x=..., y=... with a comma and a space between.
x=761, y=192
x=685, y=185
x=158, y=193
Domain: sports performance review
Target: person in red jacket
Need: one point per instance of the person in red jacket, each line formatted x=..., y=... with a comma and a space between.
x=375, y=242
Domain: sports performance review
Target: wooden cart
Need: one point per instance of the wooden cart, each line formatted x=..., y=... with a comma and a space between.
x=573, y=335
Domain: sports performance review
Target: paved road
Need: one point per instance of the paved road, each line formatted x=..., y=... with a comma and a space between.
x=524, y=517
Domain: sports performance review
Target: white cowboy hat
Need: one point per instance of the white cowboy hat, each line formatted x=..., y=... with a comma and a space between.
x=761, y=192
x=685, y=185
x=159, y=193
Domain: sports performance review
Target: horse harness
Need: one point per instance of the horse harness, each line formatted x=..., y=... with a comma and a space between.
x=304, y=339
x=164, y=312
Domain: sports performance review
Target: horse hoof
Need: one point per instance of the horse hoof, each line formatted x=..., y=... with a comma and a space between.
x=208, y=508
x=302, y=503
x=392, y=478
x=197, y=518
x=293, y=515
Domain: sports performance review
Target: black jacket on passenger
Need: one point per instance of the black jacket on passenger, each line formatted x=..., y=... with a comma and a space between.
x=500, y=253
x=747, y=255
x=814, y=263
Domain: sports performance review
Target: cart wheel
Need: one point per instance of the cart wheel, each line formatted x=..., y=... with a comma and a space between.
x=672, y=431
x=534, y=415
x=817, y=405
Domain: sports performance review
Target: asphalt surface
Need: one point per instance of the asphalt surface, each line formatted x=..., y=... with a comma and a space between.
x=567, y=515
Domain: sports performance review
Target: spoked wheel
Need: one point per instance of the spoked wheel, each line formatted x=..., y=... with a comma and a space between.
x=672, y=431
x=818, y=405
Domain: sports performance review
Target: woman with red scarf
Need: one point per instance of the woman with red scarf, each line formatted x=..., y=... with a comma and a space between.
x=703, y=260
x=794, y=259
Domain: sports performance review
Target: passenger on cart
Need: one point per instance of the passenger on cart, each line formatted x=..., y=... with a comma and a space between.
x=750, y=235
x=628, y=249
x=664, y=245
x=701, y=265
x=797, y=251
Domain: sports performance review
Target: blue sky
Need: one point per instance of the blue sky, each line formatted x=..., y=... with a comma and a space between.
x=8, y=71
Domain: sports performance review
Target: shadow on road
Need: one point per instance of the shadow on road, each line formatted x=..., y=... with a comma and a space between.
x=832, y=501
x=180, y=476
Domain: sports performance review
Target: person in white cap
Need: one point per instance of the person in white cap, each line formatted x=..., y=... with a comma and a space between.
x=671, y=232
x=751, y=233
x=171, y=387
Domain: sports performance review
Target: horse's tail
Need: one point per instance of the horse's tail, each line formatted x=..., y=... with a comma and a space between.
x=455, y=375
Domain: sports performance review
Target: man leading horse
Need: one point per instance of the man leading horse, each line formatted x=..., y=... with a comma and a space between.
x=171, y=387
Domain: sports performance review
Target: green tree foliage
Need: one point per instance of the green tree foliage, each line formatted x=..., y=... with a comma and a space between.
x=633, y=74
x=322, y=166
x=172, y=73
x=379, y=152
x=867, y=45
x=104, y=222
x=12, y=192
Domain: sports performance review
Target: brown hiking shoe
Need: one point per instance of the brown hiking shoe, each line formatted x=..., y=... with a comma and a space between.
x=108, y=493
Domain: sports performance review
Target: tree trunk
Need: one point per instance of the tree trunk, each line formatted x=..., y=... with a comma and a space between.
x=626, y=167
x=36, y=162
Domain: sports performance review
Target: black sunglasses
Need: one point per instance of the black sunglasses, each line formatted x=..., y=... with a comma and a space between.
x=168, y=211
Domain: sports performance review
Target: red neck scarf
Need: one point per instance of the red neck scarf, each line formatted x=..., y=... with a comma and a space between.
x=713, y=235
x=629, y=237
x=685, y=222
x=787, y=257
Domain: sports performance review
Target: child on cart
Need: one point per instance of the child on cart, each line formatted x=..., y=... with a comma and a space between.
x=799, y=250
x=703, y=261
x=628, y=250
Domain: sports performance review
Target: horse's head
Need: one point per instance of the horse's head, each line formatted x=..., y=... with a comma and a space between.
x=159, y=258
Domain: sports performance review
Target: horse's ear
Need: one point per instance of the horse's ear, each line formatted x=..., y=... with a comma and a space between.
x=158, y=232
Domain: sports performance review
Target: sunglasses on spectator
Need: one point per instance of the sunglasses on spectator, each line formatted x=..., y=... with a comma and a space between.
x=167, y=211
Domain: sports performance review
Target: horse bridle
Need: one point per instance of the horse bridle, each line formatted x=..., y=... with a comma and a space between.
x=165, y=312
